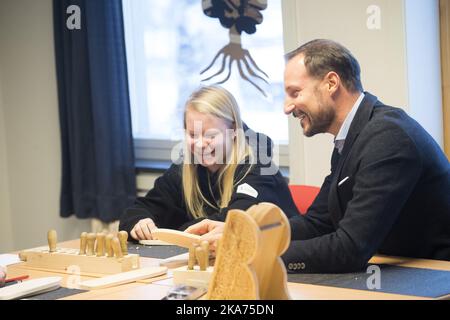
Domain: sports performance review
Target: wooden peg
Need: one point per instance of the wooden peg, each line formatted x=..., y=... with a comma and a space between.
x=116, y=247
x=179, y=238
x=205, y=247
x=83, y=243
x=200, y=255
x=192, y=259
x=100, y=245
x=90, y=244
x=52, y=239
x=123, y=237
x=108, y=246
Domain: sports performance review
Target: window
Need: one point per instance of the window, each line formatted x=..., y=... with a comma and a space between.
x=169, y=43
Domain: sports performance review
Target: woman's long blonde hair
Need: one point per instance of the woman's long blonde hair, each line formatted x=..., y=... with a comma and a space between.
x=216, y=101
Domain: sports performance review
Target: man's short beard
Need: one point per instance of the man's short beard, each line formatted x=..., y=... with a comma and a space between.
x=322, y=120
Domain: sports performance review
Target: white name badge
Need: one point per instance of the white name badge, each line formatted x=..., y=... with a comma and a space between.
x=248, y=190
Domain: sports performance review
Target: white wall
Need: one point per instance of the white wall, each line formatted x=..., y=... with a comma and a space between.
x=380, y=45
x=30, y=114
x=6, y=239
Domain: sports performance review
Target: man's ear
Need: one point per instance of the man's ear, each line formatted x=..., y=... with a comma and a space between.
x=332, y=81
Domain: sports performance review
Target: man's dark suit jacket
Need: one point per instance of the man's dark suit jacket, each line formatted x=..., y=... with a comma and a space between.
x=387, y=193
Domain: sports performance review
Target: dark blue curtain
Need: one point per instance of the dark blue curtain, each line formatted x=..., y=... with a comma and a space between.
x=98, y=175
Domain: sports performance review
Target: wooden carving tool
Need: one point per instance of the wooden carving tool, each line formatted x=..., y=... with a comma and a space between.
x=100, y=245
x=108, y=246
x=205, y=246
x=90, y=244
x=116, y=248
x=154, y=242
x=83, y=243
x=123, y=238
x=201, y=258
x=192, y=258
x=176, y=237
x=52, y=239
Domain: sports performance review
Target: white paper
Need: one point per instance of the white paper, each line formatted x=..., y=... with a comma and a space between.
x=8, y=259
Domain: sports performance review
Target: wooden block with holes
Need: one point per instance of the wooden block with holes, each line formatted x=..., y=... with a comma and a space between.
x=62, y=258
x=195, y=278
x=198, y=272
x=98, y=253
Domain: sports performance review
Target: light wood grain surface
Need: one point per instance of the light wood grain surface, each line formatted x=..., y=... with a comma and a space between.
x=156, y=288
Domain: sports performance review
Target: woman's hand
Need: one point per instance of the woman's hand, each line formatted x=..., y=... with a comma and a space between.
x=143, y=229
x=209, y=230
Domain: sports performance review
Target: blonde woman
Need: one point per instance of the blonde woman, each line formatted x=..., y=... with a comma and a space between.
x=221, y=170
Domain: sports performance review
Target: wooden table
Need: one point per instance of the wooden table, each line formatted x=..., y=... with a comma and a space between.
x=156, y=288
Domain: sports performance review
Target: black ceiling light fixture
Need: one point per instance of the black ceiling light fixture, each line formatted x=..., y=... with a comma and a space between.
x=238, y=16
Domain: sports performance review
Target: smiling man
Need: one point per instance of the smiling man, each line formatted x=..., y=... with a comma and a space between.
x=388, y=191
x=389, y=187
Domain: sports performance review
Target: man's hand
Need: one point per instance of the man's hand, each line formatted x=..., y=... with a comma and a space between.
x=210, y=231
x=143, y=229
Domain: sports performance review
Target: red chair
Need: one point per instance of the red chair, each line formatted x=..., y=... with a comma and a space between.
x=303, y=196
